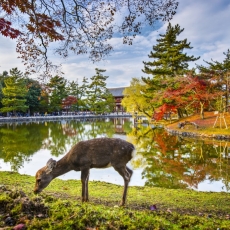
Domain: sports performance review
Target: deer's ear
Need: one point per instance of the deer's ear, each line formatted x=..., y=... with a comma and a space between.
x=50, y=165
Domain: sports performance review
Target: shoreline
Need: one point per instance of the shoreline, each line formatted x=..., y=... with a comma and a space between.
x=176, y=132
x=56, y=118
x=221, y=137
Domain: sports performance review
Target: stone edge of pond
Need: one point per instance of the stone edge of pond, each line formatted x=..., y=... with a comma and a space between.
x=56, y=118
x=198, y=135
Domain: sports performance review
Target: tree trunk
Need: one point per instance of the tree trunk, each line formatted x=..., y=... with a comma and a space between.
x=202, y=110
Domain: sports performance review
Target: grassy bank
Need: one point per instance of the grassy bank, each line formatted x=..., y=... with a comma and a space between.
x=206, y=125
x=59, y=206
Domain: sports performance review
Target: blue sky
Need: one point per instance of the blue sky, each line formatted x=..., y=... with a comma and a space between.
x=206, y=25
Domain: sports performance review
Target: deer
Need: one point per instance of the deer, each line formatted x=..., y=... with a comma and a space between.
x=95, y=153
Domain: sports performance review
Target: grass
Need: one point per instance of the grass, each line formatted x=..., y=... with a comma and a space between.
x=59, y=206
x=205, y=125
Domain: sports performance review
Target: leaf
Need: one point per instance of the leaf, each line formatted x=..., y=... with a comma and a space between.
x=153, y=207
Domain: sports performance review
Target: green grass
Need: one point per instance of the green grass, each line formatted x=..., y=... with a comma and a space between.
x=59, y=206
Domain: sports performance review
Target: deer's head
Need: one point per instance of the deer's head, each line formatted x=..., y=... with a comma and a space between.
x=44, y=176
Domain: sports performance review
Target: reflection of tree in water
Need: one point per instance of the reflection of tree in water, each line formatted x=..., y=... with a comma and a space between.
x=19, y=142
x=173, y=162
x=99, y=127
x=64, y=134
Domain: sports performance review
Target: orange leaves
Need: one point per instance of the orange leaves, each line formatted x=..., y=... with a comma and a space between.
x=165, y=108
x=68, y=102
x=8, y=6
x=41, y=23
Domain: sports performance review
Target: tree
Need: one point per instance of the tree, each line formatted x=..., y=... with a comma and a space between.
x=99, y=99
x=77, y=26
x=82, y=100
x=57, y=87
x=2, y=85
x=191, y=92
x=68, y=103
x=219, y=72
x=14, y=92
x=169, y=62
x=33, y=95
x=44, y=100
x=134, y=100
x=169, y=59
x=78, y=92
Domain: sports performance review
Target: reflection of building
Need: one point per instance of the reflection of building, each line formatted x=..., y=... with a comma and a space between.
x=119, y=124
x=118, y=96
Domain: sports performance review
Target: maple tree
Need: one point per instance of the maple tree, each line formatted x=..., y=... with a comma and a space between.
x=83, y=26
x=191, y=92
x=162, y=110
x=68, y=102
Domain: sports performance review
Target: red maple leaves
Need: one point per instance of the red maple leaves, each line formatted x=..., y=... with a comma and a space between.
x=68, y=102
x=6, y=29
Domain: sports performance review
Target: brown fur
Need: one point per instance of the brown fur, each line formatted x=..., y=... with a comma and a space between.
x=95, y=153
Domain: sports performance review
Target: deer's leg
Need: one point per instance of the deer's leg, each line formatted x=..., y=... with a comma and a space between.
x=130, y=172
x=84, y=182
x=126, y=173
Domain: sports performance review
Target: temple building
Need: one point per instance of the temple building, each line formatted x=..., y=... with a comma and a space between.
x=118, y=96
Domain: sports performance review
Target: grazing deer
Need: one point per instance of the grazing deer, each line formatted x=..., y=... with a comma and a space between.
x=95, y=153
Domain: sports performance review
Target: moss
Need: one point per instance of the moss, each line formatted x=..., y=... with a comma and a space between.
x=58, y=208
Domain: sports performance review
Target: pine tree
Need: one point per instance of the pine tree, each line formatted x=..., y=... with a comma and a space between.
x=57, y=86
x=14, y=92
x=169, y=59
x=218, y=72
x=79, y=92
x=99, y=99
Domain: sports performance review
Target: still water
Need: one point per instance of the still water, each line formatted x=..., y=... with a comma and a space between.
x=162, y=160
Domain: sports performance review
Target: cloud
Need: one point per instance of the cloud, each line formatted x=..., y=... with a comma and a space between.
x=206, y=26
x=8, y=55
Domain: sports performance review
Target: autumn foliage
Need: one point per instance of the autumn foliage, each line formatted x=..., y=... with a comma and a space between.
x=6, y=29
x=68, y=102
x=162, y=110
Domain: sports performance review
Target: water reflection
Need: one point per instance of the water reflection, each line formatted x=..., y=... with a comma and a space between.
x=175, y=162
x=162, y=160
x=19, y=141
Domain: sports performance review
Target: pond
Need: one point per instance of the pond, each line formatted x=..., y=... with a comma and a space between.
x=162, y=160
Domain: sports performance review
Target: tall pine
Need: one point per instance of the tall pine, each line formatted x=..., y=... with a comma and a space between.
x=99, y=99
x=168, y=57
x=169, y=61
x=58, y=92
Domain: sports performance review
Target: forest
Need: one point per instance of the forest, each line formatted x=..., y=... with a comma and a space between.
x=21, y=95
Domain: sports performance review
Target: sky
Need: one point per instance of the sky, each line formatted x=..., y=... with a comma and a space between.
x=206, y=26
